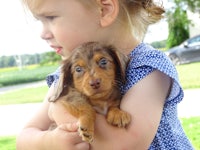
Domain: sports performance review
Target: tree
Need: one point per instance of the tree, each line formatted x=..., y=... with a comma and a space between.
x=193, y=5
x=178, y=23
x=50, y=58
x=7, y=61
x=159, y=44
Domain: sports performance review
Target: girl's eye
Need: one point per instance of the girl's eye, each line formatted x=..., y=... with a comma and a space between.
x=50, y=17
x=103, y=62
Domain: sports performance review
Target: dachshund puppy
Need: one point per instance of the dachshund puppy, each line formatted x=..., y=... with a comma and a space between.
x=90, y=82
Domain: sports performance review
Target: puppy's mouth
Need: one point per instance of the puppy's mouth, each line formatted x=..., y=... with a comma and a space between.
x=97, y=93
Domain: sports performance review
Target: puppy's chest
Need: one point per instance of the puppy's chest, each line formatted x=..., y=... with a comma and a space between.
x=103, y=106
x=102, y=109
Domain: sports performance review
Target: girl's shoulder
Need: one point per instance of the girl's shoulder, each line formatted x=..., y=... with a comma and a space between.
x=144, y=59
x=146, y=55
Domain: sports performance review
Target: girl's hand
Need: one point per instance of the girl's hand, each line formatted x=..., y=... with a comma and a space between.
x=37, y=135
x=59, y=114
x=65, y=137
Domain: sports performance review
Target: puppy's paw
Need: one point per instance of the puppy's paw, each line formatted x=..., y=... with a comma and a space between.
x=86, y=132
x=118, y=117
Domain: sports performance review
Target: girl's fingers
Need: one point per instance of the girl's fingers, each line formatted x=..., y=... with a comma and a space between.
x=70, y=127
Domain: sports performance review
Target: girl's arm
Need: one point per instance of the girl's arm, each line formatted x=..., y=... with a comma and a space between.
x=37, y=136
x=144, y=101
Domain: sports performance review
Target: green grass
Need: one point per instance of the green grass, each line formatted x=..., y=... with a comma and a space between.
x=26, y=95
x=190, y=125
x=7, y=143
x=192, y=129
x=12, y=76
x=189, y=75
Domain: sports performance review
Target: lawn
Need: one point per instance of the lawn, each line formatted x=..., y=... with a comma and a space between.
x=190, y=125
x=192, y=129
x=26, y=95
x=189, y=75
x=13, y=76
x=7, y=143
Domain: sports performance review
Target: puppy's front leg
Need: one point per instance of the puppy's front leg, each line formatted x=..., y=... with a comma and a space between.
x=117, y=117
x=86, y=116
x=86, y=122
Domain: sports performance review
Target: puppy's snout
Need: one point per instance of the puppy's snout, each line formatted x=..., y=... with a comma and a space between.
x=95, y=83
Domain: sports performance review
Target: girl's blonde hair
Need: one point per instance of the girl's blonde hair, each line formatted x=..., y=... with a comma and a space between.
x=134, y=15
x=139, y=14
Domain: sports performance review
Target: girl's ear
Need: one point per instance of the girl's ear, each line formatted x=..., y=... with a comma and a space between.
x=109, y=11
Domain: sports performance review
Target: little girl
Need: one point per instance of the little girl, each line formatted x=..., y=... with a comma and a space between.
x=152, y=90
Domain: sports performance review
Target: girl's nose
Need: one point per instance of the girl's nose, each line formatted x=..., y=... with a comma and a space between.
x=46, y=34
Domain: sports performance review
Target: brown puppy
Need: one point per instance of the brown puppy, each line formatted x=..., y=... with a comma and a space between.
x=89, y=82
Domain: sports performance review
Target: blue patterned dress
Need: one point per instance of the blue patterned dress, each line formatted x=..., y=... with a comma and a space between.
x=144, y=59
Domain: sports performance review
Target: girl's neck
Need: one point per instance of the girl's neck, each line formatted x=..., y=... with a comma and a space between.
x=118, y=36
x=126, y=44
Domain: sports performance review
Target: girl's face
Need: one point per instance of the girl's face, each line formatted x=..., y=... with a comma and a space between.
x=67, y=24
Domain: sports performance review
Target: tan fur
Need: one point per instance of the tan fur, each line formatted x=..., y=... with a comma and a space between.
x=89, y=82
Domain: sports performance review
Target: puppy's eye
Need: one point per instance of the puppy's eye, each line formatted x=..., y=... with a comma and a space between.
x=78, y=69
x=103, y=62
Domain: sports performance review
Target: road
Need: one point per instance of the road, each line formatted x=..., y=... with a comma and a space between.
x=21, y=86
x=13, y=117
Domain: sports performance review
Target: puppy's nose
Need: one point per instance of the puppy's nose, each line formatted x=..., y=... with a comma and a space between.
x=95, y=83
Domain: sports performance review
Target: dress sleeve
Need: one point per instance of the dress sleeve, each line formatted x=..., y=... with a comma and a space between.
x=142, y=63
x=53, y=77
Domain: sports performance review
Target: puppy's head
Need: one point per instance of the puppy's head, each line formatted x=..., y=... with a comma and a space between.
x=93, y=69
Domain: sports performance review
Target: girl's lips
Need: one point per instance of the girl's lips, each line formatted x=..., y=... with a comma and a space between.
x=57, y=49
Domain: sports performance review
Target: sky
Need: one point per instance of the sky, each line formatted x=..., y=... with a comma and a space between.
x=20, y=33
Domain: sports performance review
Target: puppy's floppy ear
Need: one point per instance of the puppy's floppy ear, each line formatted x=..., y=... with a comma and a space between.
x=121, y=62
x=64, y=81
